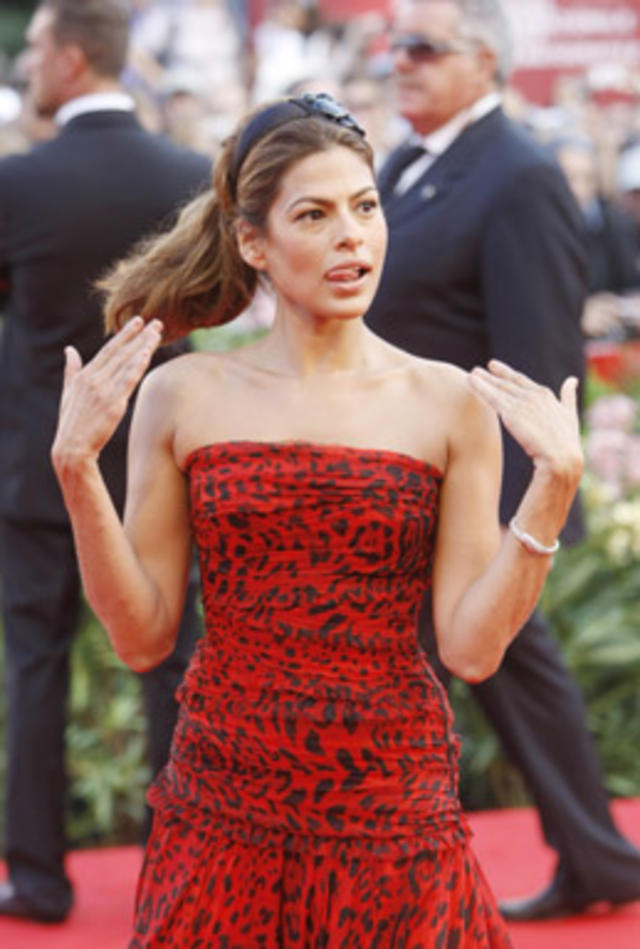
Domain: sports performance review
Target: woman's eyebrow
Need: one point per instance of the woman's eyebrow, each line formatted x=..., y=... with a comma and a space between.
x=325, y=201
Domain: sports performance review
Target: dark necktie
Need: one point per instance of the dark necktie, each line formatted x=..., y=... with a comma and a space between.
x=392, y=169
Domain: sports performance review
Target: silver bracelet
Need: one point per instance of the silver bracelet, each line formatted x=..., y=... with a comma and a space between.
x=530, y=542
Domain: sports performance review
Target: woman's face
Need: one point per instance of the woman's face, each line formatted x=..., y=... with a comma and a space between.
x=326, y=236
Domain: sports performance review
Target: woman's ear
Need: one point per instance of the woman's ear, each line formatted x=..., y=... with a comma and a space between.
x=250, y=245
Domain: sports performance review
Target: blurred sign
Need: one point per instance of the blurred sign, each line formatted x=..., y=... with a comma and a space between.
x=556, y=37
x=341, y=9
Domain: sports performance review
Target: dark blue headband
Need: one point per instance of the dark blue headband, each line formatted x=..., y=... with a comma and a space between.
x=320, y=105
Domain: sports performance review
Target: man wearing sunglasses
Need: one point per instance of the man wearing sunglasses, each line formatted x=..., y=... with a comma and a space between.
x=486, y=259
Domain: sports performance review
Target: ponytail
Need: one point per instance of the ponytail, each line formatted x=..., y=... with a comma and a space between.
x=191, y=276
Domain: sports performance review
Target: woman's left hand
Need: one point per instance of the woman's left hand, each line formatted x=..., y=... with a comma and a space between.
x=546, y=427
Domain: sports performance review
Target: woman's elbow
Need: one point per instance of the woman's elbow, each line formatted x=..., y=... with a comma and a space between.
x=470, y=669
x=143, y=658
x=142, y=662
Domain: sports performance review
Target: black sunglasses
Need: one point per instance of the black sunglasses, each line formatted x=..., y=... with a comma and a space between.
x=420, y=49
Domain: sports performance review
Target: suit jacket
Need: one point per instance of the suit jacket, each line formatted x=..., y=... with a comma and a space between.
x=486, y=259
x=613, y=262
x=68, y=209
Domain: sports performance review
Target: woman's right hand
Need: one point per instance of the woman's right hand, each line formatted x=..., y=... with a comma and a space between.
x=94, y=397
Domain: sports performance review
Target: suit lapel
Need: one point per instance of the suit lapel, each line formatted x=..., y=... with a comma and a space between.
x=445, y=173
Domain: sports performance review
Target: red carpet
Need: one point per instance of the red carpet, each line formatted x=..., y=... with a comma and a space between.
x=507, y=843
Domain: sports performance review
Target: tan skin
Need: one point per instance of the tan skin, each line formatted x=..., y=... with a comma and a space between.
x=320, y=376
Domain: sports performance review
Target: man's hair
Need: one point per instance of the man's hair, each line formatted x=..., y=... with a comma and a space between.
x=99, y=27
x=486, y=21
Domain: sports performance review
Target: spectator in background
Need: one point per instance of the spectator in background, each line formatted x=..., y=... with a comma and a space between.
x=183, y=108
x=486, y=259
x=27, y=127
x=613, y=271
x=628, y=184
x=367, y=96
x=200, y=35
x=67, y=210
x=290, y=45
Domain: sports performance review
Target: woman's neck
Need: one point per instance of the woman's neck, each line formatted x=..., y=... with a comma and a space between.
x=306, y=347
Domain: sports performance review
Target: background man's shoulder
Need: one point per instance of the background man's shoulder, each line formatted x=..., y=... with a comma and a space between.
x=174, y=154
x=519, y=171
x=15, y=167
x=520, y=152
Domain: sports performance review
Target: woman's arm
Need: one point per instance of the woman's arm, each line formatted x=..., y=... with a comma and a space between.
x=134, y=575
x=486, y=584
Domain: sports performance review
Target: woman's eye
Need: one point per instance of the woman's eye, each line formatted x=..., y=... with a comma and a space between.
x=313, y=214
x=368, y=206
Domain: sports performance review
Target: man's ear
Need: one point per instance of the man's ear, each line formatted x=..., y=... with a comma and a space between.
x=488, y=65
x=73, y=62
x=251, y=245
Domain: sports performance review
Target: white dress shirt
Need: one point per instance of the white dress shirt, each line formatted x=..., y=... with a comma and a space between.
x=95, y=102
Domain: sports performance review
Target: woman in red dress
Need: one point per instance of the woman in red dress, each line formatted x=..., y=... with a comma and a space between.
x=327, y=480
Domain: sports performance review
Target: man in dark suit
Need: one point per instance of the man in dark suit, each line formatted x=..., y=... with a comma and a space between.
x=68, y=209
x=486, y=259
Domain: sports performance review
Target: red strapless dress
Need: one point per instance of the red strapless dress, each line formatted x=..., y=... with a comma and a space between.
x=311, y=799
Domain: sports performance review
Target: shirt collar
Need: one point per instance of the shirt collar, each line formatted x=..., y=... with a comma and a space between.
x=435, y=143
x=95, y=102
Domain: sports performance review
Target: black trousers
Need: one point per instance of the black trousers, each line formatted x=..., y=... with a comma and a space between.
x=538, y=713
x=41, y=606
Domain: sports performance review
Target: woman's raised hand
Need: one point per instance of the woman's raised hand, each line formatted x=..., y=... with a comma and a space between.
x=546, y=427
x=94, y=397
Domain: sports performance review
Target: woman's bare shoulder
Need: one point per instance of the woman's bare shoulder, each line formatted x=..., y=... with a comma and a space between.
x=182, y=373
x=446, y=388
x=438, y=379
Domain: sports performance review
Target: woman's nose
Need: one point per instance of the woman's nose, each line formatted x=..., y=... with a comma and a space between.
x=348, y=231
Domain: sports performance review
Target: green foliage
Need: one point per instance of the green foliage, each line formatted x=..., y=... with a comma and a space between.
x=106, y=740
x=13, y=23
x=592, y=599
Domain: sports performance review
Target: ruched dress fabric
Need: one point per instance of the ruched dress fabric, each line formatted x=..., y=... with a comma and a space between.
x=310, y=799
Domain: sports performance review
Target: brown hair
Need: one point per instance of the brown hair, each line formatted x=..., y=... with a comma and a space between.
x=99, y=27
x=194, y=276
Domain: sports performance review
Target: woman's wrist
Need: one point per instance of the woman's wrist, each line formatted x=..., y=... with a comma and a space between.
x=565, y=471
x=531, y=543
x=72, y=466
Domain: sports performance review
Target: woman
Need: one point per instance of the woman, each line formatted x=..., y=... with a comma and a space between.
x=325, y=476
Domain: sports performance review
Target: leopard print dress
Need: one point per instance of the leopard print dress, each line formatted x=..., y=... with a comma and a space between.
x=310, y=799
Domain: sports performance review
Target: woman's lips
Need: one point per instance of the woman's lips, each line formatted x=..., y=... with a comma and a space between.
x=348, y=273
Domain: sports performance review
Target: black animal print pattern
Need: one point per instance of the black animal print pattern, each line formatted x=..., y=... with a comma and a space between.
x=310, y=799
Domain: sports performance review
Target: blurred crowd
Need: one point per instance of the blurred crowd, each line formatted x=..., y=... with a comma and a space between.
x=196, y=65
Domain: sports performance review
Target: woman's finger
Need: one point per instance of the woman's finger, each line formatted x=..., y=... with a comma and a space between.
x=569, y=394
x=501, y=370
x=72, y=364
x=487, y=388
x=129, y=372
x=130, y=329
x=119, y=356
x=497, y=384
